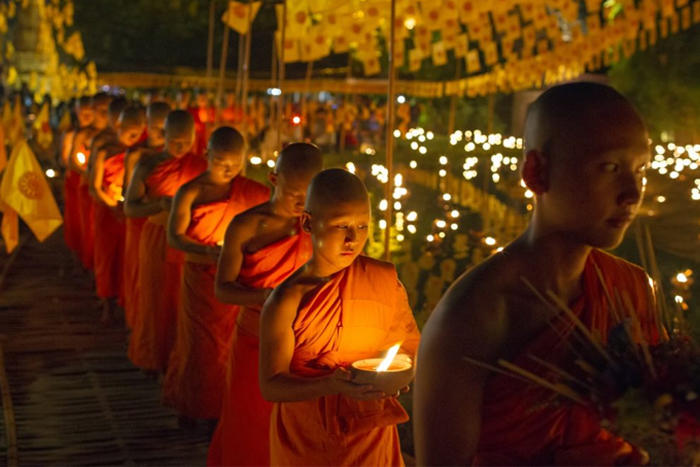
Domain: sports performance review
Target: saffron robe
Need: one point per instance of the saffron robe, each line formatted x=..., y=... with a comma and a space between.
x=87, y=225
x=160, y=269
x=361, y=312
x=194, y=382
x=71, y=210
x=519, y=426
x=242, y=435
x=134, y=225
x=109, y=243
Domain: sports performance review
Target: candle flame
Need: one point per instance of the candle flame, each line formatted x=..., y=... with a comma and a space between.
x=390, y=355
x=81, y=158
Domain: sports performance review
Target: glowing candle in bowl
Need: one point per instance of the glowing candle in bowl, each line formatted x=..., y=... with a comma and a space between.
x=81, y=158
x=389, y=375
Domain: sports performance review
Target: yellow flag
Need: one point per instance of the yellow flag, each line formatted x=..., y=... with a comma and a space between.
x=42, y=127
x=415, y=60
x=25, y=191
x=292, y=52
x=461, y=45
x=341, y=44
x=371, y=66
x=237, y=16
x=3, y=153
x=473, y=61
x=432, y=15
x=439, y=54
x=15, y=128
x=65, y=123
x=320, y=43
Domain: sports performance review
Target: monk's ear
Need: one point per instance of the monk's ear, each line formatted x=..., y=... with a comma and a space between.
x=306, y=221
x=272, y=178
x=535, y=172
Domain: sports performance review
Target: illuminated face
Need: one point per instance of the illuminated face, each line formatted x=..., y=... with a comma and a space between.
x=290, y=193
x=596, y=184
x=128, y=136
x=156, y=133
x=338, y=232
x=178, y=144
x=225, y=165
x=101, y=116
x=86, y=116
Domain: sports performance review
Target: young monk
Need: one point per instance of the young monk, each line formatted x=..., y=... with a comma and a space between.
x=156, y=114
x=85, y=115
x=586, y=150
x=155, y=181
x=77, y=162
x=262, y=247
x=338, y=308
x=106, y=179
x=202, y=210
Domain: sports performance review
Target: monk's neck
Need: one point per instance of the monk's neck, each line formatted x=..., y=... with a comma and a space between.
x=554, y=262
x=318, y=267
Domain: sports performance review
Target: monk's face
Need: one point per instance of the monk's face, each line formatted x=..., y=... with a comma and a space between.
x=156, y=132
x=224, y=166
x=86, y=116
x=179, y=143
x=101, y=116
x=595, y=180
x=129, y=135
x=339, y=232
x=290, y=193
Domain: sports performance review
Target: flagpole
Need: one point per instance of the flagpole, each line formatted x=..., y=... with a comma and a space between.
x=222, y=72
x=391, y=117
x=346, y=102
x=307, y=87
x=280, y=82
x=210, y=44
x=453, y=100
x=246, y=63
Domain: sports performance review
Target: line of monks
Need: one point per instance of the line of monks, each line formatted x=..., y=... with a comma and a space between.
x=253, y=303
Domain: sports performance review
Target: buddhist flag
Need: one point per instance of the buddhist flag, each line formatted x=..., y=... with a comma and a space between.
x=292, y=52
x=42, y=127
x=3, y=153
x=238, y=17
x=415, y=60
x=432, y=16
x=298, y=18
x=375, y=11
x=371, y=66
x=15, y=126
x=24, y=192
x=461, y=46
x=469, y=11
x=473, y=61
x=439, y=54
x=341, y=45
x=490, y=53
x=320, y=44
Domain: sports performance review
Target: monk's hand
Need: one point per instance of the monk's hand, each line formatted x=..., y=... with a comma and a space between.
x=166, y=203
x=342, y=384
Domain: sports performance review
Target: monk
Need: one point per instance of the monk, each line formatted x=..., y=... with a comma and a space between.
x=202, y=210
x=85, y=116
x=338, y=308
x=156, y=114
x=78, y=163
x=106, y=179
x=262, y=247
x=155, y=181
x=586, y=150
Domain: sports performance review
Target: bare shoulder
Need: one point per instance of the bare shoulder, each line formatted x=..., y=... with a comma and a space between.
x=149, y=163
x=246, y=225
x=293, y=289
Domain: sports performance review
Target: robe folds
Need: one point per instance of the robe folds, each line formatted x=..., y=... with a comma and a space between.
x=361, y=312
x=71, y=210
x=87, y=225
x=242, y=435
x=521, y=423
x=194, y=382
x=160, y=269
x=134, y=225
x=111, y=233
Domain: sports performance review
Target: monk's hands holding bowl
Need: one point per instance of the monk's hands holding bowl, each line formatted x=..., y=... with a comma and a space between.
x=342, y=384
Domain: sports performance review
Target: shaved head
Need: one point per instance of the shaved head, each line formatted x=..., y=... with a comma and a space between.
x=576, y=112
x=333, y=187
x=226, y=139
x=117, y=106
x=299, y=160
x=157, y=111
x=179, y=122
x=132, y=117
x=84, y=101
x=101, y=98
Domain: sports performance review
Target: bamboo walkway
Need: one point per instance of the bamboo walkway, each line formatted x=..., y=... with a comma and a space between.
x=75, y=397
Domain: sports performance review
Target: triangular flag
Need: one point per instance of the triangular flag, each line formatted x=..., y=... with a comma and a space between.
x=238, y=16
x=24, y=189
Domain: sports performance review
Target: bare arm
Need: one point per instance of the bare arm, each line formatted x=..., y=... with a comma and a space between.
x=137, y=203
x=179, y=221
x=227, y=289
x=449, y=391
x=78, y=146
x=96, y=178
x=130, y=160
x=277, y=343
x=66, y=146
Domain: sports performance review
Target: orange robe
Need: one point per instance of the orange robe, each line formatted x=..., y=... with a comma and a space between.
x=109, y=243
x=242, y=435
x=134, y=225
x=71, y=210
x=362, y=311
x=518, y=426
x=160, y=270
x=194, y=382
x=87, y=225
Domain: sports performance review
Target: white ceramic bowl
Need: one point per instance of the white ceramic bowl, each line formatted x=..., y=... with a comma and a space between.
x=398, y=376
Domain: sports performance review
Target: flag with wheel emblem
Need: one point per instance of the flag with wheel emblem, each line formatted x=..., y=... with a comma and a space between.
x=25, y=193
x=42, y=127
x=237, y=16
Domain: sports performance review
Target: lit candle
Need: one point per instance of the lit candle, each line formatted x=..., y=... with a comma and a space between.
x=390, y=355
x=81, y=158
